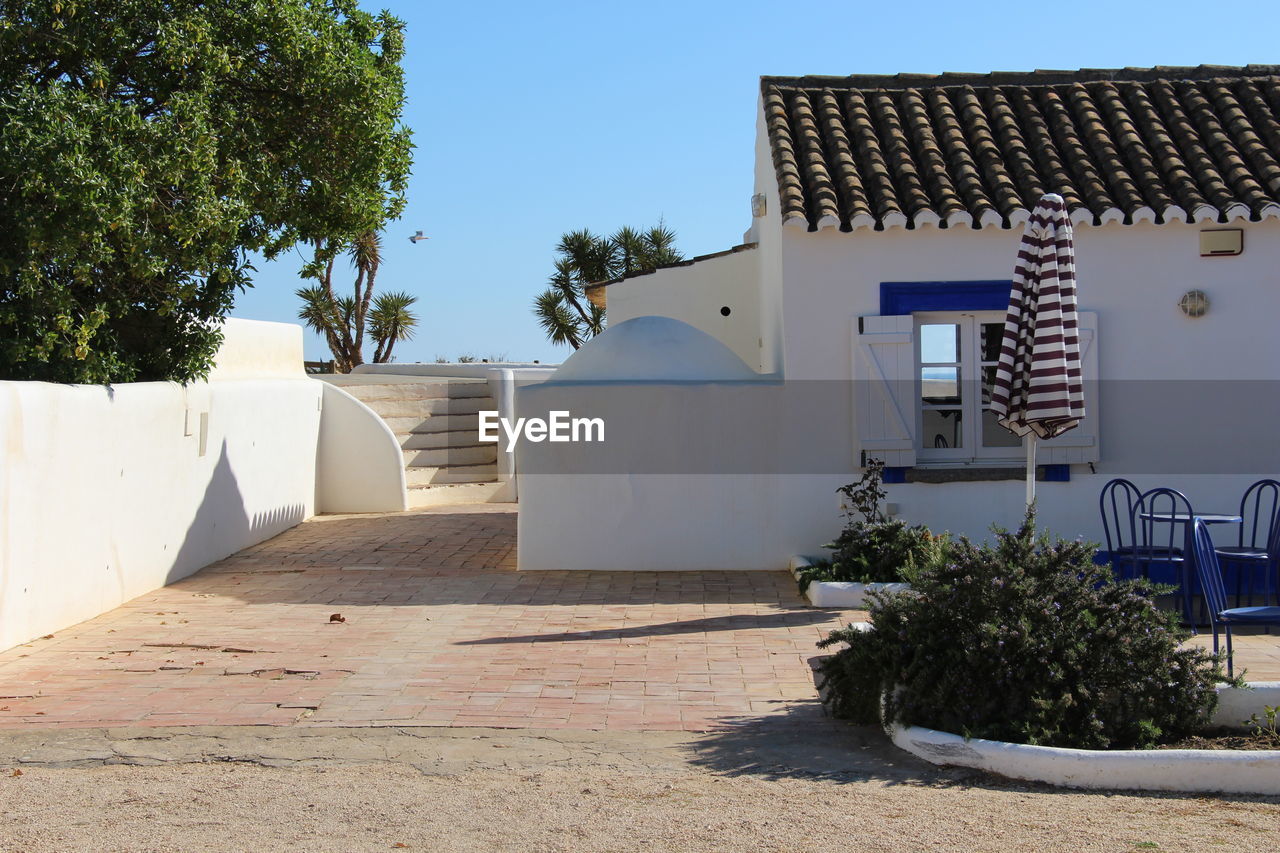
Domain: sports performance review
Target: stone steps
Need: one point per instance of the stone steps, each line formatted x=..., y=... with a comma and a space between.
x=426, y=389
x=450, y=456
x=427, y=407
x=434, y=440
x=436, y=424
x=459, y=493
x=425, y=475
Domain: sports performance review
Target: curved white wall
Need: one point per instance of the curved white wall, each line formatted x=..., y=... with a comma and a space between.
x=359, y=465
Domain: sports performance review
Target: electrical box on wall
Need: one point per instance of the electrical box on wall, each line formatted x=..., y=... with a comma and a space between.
x=1229, y=241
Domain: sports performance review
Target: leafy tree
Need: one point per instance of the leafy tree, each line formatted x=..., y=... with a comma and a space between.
x=343, y=320
x=147, y=147
x=582, y=258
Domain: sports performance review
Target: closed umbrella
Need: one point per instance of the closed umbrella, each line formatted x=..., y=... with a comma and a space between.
x=1038, y=391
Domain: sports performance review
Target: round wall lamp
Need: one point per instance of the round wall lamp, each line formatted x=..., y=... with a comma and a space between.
x=1194, y=303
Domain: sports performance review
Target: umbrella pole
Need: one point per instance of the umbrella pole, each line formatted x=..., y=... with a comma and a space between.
x=1031, y=467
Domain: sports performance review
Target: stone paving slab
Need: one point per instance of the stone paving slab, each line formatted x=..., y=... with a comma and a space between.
x=420, y=619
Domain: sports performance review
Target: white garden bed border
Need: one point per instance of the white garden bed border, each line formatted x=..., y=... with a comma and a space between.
x=1185, y=770
x=839, y=593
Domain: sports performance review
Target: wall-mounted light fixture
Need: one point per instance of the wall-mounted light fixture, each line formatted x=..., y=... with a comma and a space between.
x=1194, y=303
x=758, y=205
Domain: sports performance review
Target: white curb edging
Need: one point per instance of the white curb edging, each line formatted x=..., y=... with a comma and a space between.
x=1186, y=770
x=839, y=593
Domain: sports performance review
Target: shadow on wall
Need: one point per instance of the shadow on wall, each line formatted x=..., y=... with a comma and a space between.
x=222, y=526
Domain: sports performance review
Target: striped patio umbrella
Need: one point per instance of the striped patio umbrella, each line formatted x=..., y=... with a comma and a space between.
x=1038, y=390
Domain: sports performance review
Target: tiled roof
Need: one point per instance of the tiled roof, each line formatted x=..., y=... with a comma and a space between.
x=1158, y=145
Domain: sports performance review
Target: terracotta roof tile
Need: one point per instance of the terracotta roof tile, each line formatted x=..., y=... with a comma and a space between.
x=1131, y=145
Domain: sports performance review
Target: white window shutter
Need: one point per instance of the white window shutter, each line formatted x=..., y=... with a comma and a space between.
x=884, y=379
x=1081, y=443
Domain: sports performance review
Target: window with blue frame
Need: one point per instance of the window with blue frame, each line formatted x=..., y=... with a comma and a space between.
x=926, y=365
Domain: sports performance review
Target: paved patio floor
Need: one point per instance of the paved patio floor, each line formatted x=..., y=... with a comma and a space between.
x=439, y=629
x=420, y=619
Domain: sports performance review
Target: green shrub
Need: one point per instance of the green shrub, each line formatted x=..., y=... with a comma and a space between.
x=883, y=551
x=1025, y=641
x=874, y=549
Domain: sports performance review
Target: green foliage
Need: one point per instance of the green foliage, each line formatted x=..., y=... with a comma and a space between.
x=877, y=552
x=563, y=310
x=866, y=494
x=148, y=146
x=1267, y=727
x=344, y=320
x=874, y=549
x=391, y=321
x=1025, y=641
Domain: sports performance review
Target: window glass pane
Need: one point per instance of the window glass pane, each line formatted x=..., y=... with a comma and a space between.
x=940, y=343
x=994, y=435
x=992, y=334
x=940, y=386
x=941, y=428
x=988, y=382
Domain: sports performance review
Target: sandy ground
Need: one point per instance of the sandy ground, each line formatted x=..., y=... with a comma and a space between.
x=834, y=789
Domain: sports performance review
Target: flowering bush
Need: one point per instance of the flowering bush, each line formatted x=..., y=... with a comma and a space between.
x=1025, y=641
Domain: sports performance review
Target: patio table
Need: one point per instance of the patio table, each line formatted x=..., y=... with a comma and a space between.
x=1188, y=567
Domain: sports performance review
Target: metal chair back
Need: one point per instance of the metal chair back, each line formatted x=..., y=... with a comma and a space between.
x=1209, y=572
x=1161, y=539
x=1260, y=509
x=1116, y=503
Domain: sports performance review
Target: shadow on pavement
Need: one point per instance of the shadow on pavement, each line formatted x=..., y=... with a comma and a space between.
x=740, y=622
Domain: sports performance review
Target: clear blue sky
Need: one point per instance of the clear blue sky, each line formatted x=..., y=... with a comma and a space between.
x=532, y=119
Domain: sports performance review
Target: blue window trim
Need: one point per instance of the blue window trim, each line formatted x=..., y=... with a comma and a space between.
x=904, y=297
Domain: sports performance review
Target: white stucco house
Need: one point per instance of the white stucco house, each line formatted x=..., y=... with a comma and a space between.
x=885, y=219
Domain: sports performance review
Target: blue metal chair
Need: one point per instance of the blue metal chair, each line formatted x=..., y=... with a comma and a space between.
x=1260, y=511
x=1206, y=560
x=1162, y=518
x=1116, y=503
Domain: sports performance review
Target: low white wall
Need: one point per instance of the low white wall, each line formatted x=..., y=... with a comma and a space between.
x=696, y=294
x=668, y=489
x=475, y=370
x=359, y=465
x=107, y=493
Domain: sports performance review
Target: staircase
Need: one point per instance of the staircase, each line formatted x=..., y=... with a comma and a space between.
x=435, y=421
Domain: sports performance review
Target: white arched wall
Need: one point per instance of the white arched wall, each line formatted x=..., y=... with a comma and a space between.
x=359, y=465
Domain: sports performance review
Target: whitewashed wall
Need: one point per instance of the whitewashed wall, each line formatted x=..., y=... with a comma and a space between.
x=109, y=492
x=674, y=485
x=1158, y=428
x=696, y=294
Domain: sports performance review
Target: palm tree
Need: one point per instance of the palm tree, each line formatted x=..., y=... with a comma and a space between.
x=343, y=319
x=391, y=321
x=583, y=258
